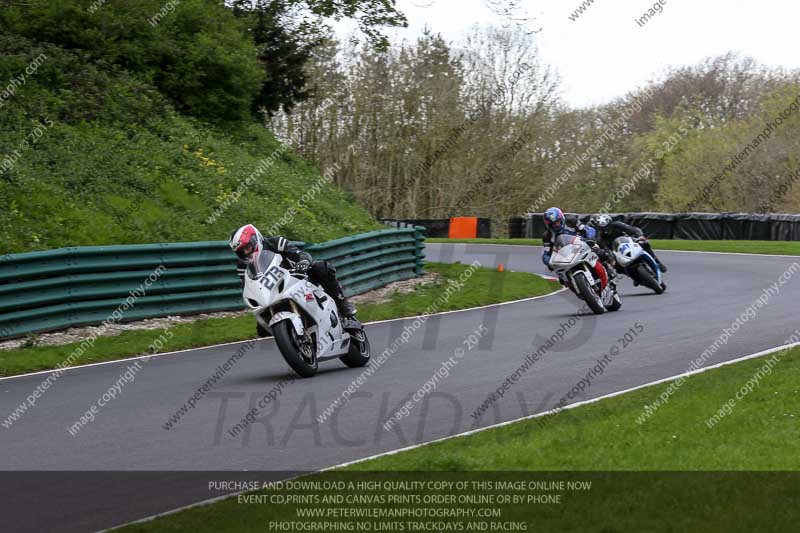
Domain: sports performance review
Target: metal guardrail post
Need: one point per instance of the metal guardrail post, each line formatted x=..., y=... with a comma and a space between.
x=419, y=235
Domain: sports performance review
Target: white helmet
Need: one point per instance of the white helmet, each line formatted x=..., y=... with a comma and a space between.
x=603, y=221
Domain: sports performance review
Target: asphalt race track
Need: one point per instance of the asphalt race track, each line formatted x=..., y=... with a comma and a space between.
x=707, y=292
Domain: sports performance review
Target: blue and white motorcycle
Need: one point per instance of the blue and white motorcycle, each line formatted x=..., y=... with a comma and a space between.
x=638, y=264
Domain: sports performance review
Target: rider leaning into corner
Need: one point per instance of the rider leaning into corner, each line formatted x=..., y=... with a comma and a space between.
x=609, y=230
x=247, y=241
x=556, y=224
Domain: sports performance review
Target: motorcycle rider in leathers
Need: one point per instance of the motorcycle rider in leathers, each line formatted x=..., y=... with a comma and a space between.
x=556, y=223
x=608, y=230
x=247, y=241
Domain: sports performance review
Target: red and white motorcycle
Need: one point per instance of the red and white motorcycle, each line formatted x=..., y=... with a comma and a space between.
x=580, y=270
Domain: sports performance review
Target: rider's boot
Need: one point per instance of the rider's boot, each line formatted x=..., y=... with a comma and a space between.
x=333, y=288
x=662, y=267
x=345, y=307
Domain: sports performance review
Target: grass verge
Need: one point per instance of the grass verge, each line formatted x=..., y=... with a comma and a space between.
x=761, y=433
x=133, y=170
x=602, y=443
x=483, y=288
x=749, y=247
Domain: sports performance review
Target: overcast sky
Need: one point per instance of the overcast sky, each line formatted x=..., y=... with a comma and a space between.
x=605, y=53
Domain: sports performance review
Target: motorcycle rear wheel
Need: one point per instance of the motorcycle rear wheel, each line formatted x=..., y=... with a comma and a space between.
x=302, y=359
x=591, y=298
x=360, y=351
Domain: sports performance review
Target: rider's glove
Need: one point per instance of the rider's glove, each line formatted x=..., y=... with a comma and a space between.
x=303, y=265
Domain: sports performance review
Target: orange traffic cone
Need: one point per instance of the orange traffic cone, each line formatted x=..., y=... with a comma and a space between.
x=500, y=268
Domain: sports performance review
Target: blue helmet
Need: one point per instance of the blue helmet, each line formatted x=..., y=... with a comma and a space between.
x=554, y=219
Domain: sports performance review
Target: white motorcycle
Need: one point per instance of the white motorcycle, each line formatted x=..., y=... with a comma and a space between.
x=576, y=265
x=303, y=319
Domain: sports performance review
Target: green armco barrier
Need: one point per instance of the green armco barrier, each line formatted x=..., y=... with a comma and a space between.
x=57, y=289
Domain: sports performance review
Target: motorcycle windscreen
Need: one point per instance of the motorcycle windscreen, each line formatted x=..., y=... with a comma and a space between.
x=566, y=254
x=261, y=263
x=624, y=249
x=619, y=243
x=563, y=240
x=565, y=247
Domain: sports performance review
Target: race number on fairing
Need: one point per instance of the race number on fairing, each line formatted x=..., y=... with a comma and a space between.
x=273, y=276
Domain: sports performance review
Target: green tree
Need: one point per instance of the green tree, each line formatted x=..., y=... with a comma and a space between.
x=196, y=53
x=371, y=15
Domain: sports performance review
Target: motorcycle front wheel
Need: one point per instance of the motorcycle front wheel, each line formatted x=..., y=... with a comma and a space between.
x=647, y=278
x=262, y=331
x=616, y=303
x=301, y=356
x=591, y=298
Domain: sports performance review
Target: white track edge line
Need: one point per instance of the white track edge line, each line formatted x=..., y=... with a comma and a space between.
x=198, y=348
x=474, y=431
x=659, y=251
x=573, y=405
x=729, y=253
